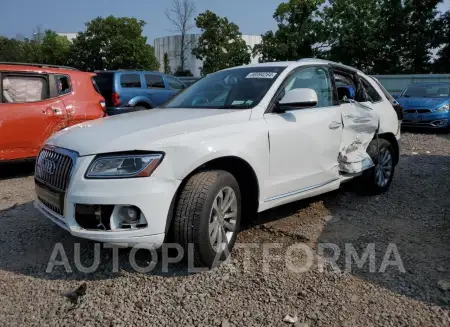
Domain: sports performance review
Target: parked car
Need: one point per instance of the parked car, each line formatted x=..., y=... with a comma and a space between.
x=127, y=91
x=237, y=142
x=426, y=105
x=37, y=100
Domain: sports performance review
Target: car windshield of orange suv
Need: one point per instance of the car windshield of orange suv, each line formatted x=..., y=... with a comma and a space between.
x=39, y=100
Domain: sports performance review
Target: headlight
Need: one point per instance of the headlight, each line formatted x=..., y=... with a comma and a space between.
x=445, y=107
x=123, y=166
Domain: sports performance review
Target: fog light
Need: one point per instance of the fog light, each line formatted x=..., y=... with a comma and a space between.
x=130, y=214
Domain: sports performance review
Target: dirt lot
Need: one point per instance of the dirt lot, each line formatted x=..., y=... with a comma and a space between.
x=414, y=215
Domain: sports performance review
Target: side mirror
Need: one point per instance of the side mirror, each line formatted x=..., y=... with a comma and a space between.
x=297, y=99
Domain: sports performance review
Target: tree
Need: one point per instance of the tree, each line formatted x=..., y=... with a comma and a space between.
x=112, y=43
x=221, y=44
x=19, y=51
x=181, y=15
x=166, y=64
x=390, y=34
x=298, y=35
x=421, y=31
x=54, y=48
x=442, y=63
x=351, y=28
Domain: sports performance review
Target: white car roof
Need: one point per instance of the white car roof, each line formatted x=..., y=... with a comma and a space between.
x=301, y=62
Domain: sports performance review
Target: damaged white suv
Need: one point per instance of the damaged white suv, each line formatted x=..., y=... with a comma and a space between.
x=239, y=141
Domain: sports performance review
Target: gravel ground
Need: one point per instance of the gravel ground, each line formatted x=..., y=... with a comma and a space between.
x=414, y=215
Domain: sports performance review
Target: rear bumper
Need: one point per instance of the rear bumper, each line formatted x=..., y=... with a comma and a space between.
x=122, y=110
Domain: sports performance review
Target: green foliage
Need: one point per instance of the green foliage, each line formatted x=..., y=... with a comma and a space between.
x=19, y=51
x=166, y=64
x=390, y=36
x=297, y=35
x=54, y=49
x=377, y=36
x=351, y=27
x=442, y=63
x=112, y=43
x=419, y=35
x=221, y=45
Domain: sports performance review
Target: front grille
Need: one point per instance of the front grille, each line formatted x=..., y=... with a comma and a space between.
x=53, y=168
x=417, y=111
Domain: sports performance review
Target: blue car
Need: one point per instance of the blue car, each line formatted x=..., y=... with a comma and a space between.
x=426, y=105
x=126, y=90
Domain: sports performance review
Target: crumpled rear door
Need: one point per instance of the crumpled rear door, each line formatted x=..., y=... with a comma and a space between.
x=360, y=123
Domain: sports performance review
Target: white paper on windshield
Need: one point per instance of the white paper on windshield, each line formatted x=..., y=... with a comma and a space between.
x=261, y=75
x=237, y=103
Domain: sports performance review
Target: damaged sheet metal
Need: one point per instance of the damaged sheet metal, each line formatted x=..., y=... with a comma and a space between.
x=360, y=123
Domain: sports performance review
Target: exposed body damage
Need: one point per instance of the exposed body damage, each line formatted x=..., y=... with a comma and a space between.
x=360, y=123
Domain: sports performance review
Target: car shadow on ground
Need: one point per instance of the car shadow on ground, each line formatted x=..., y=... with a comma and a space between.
x=23, y=168
x=414, y=215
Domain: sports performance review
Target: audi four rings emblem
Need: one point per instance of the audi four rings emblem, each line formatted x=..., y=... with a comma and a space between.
x=49, y=166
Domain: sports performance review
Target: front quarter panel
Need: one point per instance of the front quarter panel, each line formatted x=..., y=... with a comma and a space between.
x=185, y=153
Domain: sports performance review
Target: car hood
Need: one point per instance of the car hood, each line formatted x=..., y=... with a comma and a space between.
x=138, y=130
x=429, y=103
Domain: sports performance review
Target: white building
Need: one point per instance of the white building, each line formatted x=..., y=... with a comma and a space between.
x=171, y=45
x=69, y=36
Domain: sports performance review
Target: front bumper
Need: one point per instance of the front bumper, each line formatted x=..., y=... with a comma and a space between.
x=153, y=196
x=427, y=120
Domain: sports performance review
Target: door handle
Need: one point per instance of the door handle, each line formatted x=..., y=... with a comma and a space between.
x=57, y=111
x=334, y=125
x=51, y=110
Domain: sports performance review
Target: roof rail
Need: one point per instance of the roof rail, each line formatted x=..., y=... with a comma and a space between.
x=36, y=65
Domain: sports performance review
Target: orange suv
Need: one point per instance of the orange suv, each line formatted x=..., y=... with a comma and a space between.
x=38, y=100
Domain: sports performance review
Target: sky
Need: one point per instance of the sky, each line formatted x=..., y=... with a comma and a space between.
x=24, y=16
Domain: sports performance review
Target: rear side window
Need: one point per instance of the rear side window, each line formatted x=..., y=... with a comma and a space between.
x=130, y=80
x=63, y=84
x=104, y=81
x=24, y=88
x=154, y=81
x=96, y=86
x=174, y=84
x=372, y=94
x=385, y=92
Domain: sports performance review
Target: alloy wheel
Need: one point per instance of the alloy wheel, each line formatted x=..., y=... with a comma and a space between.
x=222, y=220
x=383, y=169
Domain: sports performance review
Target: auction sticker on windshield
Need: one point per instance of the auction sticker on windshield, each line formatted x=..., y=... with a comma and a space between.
x=261, y=75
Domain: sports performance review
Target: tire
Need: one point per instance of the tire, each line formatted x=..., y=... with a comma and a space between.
x=375, y=180
x=195, y=216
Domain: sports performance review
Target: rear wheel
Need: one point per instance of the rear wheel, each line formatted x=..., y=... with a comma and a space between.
x=207, y=216
x=378, y=179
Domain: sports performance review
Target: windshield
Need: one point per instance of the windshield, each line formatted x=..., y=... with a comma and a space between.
x=427, y=91
x=239, y=88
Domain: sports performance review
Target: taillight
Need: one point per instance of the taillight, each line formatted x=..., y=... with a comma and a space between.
x=115, y=99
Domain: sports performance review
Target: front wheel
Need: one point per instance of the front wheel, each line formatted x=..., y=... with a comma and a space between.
x=207, y=217
x=378, y=179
